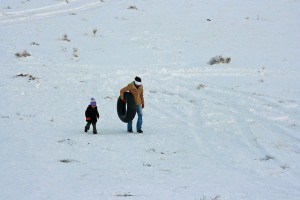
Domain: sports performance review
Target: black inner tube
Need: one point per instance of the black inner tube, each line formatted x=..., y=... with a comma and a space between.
x=126, y=111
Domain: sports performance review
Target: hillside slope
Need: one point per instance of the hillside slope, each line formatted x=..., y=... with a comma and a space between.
x=223, y=131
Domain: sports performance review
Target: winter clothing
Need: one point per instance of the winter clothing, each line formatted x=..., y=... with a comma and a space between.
x=138, y=79
x=137, y=83
x=91, y=115
x=137, y=93
x=93, y=102
x=87, y=127
x=139, y=123
x=136, y=89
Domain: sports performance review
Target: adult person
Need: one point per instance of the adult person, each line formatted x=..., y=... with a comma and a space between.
x=136, y=89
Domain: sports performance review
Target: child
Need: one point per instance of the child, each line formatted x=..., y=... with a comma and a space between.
x=91, y=115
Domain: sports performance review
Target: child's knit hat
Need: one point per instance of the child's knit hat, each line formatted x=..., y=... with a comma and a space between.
x=93, y=102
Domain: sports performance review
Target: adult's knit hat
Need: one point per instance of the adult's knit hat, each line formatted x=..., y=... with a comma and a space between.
x=93, y=102
x=138, y=80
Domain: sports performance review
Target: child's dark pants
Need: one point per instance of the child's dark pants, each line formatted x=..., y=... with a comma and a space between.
x=87, y=127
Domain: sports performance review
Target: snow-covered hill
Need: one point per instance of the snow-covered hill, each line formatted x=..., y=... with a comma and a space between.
x=223, y=131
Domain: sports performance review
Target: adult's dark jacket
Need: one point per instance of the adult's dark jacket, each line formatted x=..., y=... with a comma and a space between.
x=92, y=113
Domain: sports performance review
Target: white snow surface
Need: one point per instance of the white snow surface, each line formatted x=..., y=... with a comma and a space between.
x=223, y=131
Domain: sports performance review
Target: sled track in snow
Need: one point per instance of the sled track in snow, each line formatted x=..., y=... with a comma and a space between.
x=61, y=8
x=264, y=124
x=266, y=115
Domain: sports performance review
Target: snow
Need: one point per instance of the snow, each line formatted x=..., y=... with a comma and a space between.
x=223, y=131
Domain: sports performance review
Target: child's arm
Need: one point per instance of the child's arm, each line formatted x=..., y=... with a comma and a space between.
x=97, y=114
x=87, y=115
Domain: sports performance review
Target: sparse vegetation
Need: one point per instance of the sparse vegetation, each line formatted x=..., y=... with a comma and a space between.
x=219, y=59
x=132, y=7
x=30, y=77
x=94, y=32
x=22, y=54
x=200, y=86
x=69, y=161
x=147, y=164
x=267, y=157
x=151, y=150
x=284, y=166
x=65, y=161
x=66, y=38
x=125, y=195
x=35, y=44
x=75, y=52
x=218, y=197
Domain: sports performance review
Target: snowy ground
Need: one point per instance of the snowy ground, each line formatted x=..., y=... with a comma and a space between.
x=225, y=131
